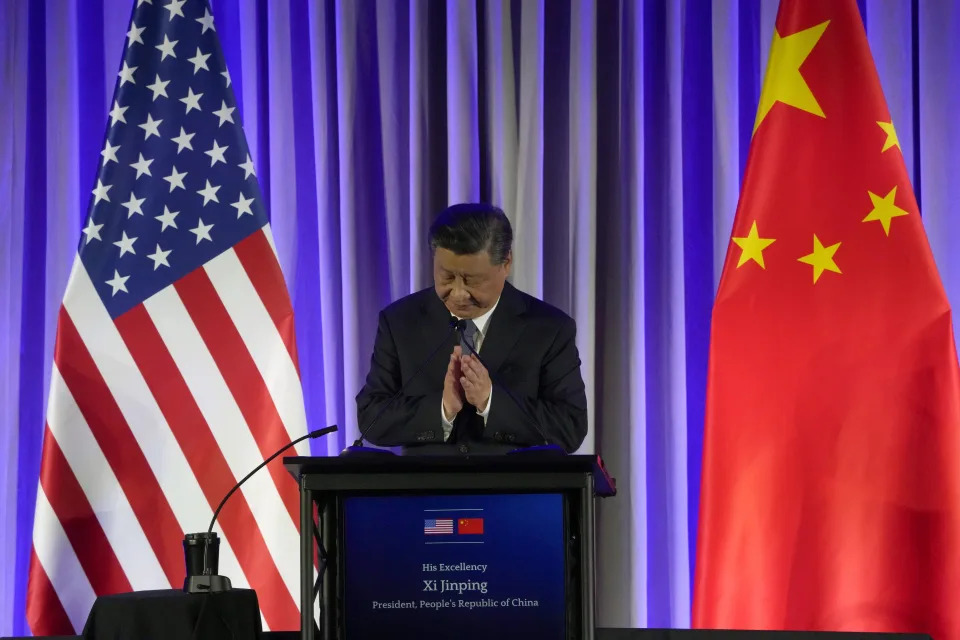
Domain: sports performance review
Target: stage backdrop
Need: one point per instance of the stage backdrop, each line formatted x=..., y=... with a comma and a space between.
x=613, y=133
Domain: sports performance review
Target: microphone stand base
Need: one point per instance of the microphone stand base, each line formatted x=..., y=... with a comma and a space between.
x=206, y=584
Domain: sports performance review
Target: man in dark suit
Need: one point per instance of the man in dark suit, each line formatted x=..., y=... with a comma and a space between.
x=528, y=345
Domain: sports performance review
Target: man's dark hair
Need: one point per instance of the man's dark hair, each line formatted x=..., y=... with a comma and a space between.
x=473, y=227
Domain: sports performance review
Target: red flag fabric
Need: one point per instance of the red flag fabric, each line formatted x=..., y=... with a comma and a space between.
x=470, y=526
x=830, y=492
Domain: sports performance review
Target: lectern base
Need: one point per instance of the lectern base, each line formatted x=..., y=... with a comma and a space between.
x=206, y=584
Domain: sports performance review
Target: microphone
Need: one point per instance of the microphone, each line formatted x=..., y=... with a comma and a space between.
x=357, y=446
x=207, y=581
x=461, y=325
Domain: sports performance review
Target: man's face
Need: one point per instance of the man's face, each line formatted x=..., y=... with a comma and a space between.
x=468, y=284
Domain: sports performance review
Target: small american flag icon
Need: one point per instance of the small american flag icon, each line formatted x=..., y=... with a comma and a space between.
x=438, y=527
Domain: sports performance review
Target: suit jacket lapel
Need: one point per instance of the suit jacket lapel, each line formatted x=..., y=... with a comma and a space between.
x=504, y=328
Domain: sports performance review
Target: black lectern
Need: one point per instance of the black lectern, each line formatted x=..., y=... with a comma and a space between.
x=331, y=489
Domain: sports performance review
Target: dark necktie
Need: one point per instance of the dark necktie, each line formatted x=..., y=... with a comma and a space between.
x=465, y=425
x=468, y=337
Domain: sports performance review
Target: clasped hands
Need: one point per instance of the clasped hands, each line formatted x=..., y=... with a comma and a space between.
x=466, y=379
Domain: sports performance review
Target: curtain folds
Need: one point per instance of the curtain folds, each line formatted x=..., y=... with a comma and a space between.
x=614, y=134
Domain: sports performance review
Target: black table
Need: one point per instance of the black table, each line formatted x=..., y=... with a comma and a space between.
x=175, y=615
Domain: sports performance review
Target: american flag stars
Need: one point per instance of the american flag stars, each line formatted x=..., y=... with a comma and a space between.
x=142, y=166
x=133, y=205
x=125, y=244
x=109, y=153
x=159, y=88
x=192, y=100
x=209, y=193
x=206, y=21
x=117, y=283
x=168, y=219
x=133, y=35
x=202, y=231
x=91, y=231
x=183, y=140
x=200, y=61
x=175, y=8
x=166, y=49
x=175, y=179
x=101, y=192
x=159, y=258
x=225, y=113
x=248, y=169
x=126, y=74
x=216, y=153
x=151, y=127
x=243, y=205
x=174, y=152
x=116, y=114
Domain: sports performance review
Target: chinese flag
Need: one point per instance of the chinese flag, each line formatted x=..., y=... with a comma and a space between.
x=469, y=526
x=830, y=492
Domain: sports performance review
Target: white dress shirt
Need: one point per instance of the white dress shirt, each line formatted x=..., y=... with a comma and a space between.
x=478, y=341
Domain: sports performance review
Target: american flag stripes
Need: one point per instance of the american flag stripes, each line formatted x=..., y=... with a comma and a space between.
x=175, y=368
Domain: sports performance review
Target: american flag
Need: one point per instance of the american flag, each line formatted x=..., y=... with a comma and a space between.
x=438, y=527
x=175, y=368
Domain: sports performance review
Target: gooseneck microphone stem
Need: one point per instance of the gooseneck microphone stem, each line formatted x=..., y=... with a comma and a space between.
x=461, y=326
x=364, y=431
x=313, y=434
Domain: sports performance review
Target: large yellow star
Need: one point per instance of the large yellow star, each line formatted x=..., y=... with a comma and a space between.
x=821, y=259
x=783, y=82
x=892, y=139
x=884, y=209
x=752, y=246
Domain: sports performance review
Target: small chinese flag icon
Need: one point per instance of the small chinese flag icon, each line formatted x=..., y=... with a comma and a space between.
x=467, y=526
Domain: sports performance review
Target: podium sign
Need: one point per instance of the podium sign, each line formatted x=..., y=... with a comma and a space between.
x=486, y=547
x=485, y=565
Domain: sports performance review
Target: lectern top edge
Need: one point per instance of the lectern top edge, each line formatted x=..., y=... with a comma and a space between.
x=604, y=484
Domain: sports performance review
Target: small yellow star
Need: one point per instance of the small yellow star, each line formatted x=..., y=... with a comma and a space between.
x=752, y=246
x=784, y=82
x=884, y=209
x=821, y=259
x=892, y=139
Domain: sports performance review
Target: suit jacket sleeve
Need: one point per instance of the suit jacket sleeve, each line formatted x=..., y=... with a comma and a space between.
x=560, y=405
x=409, y=419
